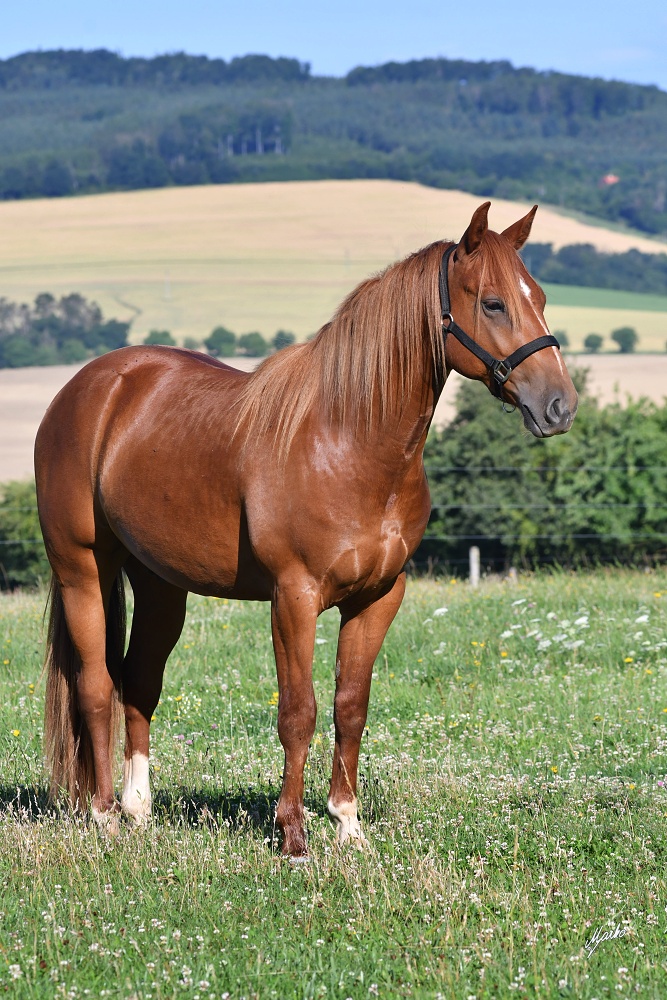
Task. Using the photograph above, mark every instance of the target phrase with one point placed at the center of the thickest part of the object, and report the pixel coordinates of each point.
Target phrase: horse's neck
(403, 430)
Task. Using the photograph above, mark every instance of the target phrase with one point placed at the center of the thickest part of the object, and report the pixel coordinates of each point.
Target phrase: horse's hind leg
(82, 715)
(362, 633)
(159, 613)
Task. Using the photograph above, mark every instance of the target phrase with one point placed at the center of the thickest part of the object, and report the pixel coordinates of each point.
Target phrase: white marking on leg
(136, 798)
(347, 822)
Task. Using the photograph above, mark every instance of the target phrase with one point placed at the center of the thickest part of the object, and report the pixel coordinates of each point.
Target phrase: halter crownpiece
(499, 369)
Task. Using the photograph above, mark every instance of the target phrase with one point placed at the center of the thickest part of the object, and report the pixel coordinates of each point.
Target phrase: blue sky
(613, 39)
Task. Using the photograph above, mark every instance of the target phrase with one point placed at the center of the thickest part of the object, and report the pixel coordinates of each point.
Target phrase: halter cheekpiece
(499, 369)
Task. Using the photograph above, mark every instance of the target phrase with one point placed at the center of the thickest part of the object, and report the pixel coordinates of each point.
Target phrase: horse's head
(487, 291)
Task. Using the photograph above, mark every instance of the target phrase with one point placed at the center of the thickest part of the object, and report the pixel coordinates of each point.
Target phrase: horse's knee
(296, 720)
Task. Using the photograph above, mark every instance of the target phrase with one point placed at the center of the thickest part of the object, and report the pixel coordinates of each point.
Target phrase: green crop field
(603, 298)
(512, 786)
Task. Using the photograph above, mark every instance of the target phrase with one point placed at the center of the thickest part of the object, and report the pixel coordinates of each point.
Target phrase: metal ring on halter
(505, 409)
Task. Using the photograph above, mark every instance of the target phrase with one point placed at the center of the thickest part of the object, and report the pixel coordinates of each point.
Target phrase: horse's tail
(67, 742)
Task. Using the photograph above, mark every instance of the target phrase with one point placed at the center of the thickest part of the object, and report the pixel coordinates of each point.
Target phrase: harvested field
(262, 256)
(25, 394)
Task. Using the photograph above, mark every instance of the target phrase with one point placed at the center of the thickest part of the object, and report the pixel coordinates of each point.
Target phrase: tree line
(72, 329)
(59, 67)
(583, 264)
(56, 331)
(100, 122)
(224, 343)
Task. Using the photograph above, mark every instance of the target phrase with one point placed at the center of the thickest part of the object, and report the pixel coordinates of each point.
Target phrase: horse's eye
(493, 305)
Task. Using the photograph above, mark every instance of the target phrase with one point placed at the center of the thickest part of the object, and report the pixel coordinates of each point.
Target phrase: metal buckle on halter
(501, 371)
(449, 320)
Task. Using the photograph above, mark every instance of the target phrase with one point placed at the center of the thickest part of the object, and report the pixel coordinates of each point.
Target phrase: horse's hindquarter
(147, 435)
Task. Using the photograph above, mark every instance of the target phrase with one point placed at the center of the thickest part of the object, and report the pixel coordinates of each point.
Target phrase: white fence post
(474, 566)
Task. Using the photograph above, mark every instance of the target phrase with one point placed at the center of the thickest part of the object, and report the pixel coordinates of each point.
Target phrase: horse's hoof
(348, 827)
(299, 859)
(138, 813)
(107, 821)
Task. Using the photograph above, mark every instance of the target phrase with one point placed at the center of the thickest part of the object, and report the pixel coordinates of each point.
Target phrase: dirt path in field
(25, 394)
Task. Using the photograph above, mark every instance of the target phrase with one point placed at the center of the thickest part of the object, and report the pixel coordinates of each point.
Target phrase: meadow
(513, 791)
(274, 256)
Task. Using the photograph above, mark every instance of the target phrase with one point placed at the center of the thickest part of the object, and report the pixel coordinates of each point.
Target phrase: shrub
(162, 337)
(593, 343)
(192, 344)
(23, 560)
(283, 339)
(221, 343)
(592, 495)
(253, 345)
(626, 337)
(73, 350)
(562, 338)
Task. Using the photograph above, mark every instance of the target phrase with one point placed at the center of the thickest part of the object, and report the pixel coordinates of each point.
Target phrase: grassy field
(512, 783)
(265, 256)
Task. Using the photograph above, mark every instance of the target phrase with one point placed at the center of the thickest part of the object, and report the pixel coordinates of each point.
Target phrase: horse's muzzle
(555, 418)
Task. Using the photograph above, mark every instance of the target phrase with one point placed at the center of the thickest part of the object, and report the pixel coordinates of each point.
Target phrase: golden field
(263, 256)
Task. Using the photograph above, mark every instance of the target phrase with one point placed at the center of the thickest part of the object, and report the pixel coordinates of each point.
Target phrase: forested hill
(91, 121)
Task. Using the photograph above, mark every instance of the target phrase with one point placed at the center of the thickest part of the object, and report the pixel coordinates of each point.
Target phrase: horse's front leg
(362, 633)
(294, 611)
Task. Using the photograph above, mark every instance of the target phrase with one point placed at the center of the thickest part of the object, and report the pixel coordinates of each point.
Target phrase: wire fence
(473, 537)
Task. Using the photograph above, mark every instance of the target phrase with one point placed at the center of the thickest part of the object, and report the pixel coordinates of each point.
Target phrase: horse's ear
(474, 234)
(519, 232)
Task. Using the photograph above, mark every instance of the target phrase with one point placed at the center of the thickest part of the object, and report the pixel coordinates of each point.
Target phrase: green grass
(603, 298)
(511, 786)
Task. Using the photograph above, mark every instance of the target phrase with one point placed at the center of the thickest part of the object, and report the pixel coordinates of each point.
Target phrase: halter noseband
(499, 370)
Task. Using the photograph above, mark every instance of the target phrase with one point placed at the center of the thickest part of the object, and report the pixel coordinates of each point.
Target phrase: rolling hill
(77, 122)
(271, 256)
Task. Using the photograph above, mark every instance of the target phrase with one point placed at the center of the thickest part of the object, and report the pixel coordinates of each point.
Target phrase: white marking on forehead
(538, 316)
(524, 287)
(558, 359)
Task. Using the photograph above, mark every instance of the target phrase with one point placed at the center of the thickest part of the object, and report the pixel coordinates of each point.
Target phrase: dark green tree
(56, 180)
(162, 337)
(221, 343)
(253, 345)
(283, 339)
(72, 351)
(593, 343)
(626, 337)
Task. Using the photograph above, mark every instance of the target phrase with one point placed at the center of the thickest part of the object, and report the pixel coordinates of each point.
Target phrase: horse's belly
(209, 556)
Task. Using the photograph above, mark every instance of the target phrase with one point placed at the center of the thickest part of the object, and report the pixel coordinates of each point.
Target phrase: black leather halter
(499, 370)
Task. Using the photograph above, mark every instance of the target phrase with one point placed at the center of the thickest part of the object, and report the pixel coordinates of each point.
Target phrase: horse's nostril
(555, 410)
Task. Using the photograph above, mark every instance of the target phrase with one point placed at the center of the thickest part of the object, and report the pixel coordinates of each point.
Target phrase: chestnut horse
(301, 484)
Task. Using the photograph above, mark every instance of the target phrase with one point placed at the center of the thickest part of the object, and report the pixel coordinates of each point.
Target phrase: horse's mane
(362, 364)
